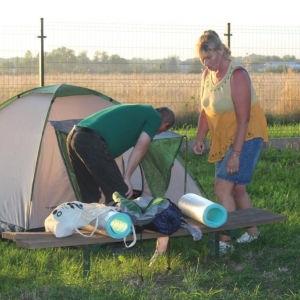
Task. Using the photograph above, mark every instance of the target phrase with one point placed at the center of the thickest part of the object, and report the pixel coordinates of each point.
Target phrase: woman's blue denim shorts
(248, 160)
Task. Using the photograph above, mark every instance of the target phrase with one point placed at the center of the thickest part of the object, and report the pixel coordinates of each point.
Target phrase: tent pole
(185, 162)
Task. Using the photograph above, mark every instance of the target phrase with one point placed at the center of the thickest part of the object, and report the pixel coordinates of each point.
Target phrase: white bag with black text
(69, 217)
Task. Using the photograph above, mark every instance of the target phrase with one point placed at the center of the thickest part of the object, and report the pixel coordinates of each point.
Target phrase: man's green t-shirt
(121, 125)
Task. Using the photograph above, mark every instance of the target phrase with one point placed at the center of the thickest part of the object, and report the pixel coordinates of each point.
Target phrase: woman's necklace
(217, 77)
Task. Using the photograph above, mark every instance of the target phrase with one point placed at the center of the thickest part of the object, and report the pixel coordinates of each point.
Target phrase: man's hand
(130, 188)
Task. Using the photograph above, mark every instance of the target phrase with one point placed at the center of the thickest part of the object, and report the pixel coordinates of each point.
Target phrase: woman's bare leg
(224, 193)
(243, 201)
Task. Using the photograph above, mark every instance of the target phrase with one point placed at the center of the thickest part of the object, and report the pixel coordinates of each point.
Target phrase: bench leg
(86, 266)
(232, 233)
(86, 257)
(214, 238)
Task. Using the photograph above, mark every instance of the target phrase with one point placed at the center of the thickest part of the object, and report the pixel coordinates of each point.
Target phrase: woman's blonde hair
(210, 41)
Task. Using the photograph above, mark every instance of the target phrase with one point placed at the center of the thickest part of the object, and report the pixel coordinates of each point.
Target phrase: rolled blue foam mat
(203, 210)
(115, 224)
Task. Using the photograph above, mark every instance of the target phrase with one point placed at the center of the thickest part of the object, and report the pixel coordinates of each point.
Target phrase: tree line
(64, 60)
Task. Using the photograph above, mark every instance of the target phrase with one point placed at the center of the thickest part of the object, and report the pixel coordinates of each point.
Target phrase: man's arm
(135, 158)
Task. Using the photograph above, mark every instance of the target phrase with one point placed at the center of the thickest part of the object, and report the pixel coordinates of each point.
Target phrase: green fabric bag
(157, 214)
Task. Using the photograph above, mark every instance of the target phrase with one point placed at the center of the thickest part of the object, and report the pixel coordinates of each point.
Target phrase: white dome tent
(35, 173)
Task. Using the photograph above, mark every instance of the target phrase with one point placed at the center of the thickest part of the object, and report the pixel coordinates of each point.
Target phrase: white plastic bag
(66, 218)
(69, 217)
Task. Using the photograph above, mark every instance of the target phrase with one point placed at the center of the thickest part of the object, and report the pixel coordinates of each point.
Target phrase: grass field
(265, 269)
(279, 94)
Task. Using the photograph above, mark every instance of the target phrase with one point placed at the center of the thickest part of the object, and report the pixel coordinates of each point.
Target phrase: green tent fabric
(62, 139)
(159, 160)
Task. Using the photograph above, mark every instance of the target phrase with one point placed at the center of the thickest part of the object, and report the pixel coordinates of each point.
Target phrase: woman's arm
(202, 128)
(241, 98)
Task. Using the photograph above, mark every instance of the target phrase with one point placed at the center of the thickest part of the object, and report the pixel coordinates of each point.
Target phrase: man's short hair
(167, 115)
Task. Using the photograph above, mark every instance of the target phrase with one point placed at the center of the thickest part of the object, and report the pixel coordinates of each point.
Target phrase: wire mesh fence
(152, 64)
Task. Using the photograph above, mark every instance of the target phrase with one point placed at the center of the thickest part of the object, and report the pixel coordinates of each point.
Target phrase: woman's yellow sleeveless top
(217, 103)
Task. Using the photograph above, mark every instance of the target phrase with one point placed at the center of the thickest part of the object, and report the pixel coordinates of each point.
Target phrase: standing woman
(232, 114)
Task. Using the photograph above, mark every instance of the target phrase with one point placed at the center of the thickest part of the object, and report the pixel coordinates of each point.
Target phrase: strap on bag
(92, 233)
(134, 238)
(95, 227)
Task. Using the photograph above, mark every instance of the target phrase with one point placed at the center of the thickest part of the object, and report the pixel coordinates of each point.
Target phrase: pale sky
(199, 13)
(181, 12)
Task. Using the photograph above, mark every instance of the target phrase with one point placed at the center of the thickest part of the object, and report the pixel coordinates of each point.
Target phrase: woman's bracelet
(233, 153)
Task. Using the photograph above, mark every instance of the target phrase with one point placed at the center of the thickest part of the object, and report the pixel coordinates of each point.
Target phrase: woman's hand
(198, 147)
(233, 165)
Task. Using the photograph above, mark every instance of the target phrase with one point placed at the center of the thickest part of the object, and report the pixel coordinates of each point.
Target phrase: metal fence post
(41, 60)
(228, 34)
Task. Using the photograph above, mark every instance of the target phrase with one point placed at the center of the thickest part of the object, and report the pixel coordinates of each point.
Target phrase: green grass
(265, 269)
(274, 131)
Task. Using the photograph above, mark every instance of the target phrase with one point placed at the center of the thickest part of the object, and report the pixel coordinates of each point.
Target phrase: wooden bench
(237, 219)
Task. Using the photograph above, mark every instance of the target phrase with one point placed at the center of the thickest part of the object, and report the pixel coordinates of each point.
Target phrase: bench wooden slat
(28, 235)
(237, 219)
